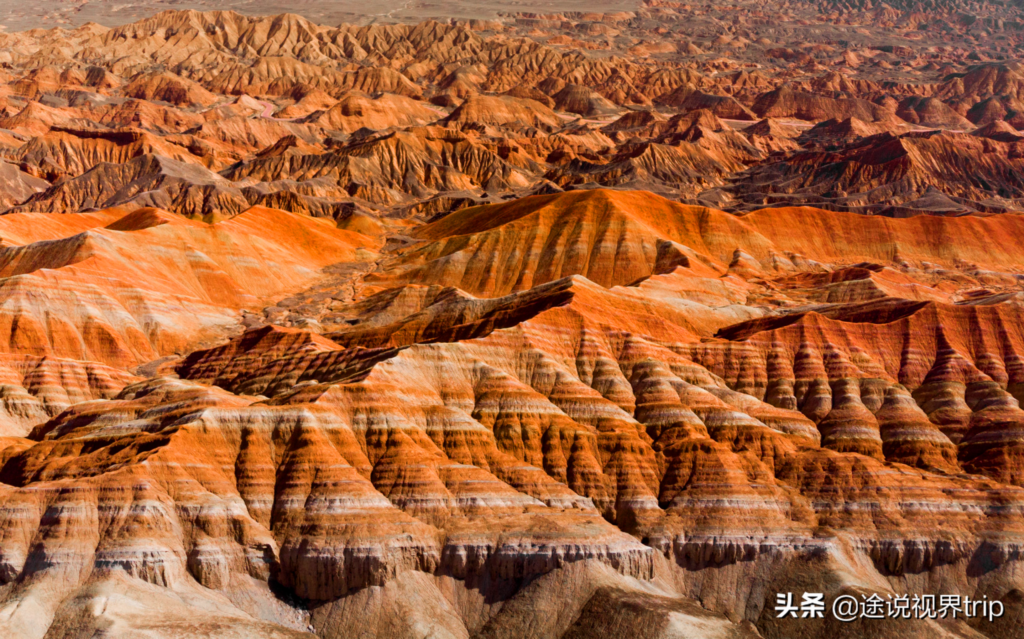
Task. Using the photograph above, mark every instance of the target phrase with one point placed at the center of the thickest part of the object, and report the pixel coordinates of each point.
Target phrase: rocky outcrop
(352, 331)
(151, 283)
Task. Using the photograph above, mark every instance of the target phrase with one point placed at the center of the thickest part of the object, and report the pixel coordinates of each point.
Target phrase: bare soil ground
(18, 16)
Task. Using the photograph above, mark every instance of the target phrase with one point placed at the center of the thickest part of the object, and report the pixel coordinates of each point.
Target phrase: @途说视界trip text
(812, 605)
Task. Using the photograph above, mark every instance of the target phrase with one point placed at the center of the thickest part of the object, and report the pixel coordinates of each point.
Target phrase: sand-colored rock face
(381, 330)
(644, 411)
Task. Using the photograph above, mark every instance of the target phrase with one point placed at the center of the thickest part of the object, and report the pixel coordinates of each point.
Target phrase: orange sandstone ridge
(207, 114)
(549, 325)
(272, 426)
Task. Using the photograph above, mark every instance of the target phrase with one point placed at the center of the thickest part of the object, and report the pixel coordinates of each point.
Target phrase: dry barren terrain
(526, 321)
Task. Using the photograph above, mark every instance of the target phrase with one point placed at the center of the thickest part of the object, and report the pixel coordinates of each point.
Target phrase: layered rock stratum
(544, 326)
